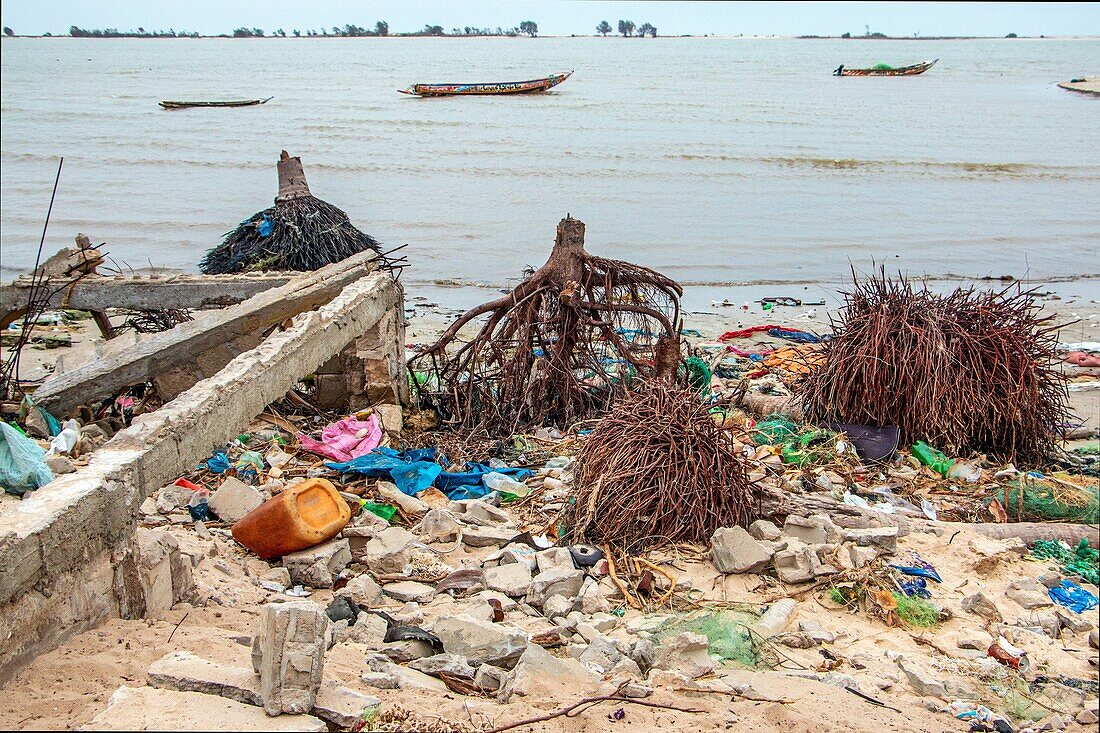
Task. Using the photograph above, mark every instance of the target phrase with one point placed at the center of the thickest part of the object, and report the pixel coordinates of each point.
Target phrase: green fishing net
(1080, 561)
(1047, 501)
(883, 67)
(698, 374)
(727, 634)
(775, 429)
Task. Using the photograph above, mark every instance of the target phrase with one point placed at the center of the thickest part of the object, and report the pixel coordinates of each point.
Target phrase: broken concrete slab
(481, 642)
(559, 582)
(388, 551)
(341, 706)
(980, 605)
(147, 708)
(1029, 594)
(687, 654)
(763, 529)
(185, 672)
(883, 538)
(538, 672)
(317, 567)
(364, 591)
(451, 664)
(200, 348)
(289, 652)
(409, 590)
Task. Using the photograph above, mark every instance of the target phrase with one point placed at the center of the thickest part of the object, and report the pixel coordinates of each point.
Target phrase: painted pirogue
(508, 87)
(883, 70)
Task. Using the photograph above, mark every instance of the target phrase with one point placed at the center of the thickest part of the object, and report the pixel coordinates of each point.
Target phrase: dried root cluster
(657, 470)
(969, 371)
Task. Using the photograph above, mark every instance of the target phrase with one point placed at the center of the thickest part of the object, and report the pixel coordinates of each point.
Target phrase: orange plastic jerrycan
(302, 516)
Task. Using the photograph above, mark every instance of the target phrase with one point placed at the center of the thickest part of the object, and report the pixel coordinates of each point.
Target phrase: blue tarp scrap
(415, 470)
(1073, 596)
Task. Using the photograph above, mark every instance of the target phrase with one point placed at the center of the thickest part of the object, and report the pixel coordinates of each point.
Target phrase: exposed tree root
(559, 347)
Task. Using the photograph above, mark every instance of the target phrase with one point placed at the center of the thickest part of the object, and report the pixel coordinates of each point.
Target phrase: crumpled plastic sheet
(1073, 596)
(22, 462)
(345, 439)
(413, 471)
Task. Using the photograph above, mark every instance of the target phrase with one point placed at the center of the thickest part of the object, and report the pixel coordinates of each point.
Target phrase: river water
(717, 161)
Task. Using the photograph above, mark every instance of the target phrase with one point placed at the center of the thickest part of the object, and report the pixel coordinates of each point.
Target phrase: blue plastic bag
(266, 226)
(218, 462)
(1072, 596)
(412, 478)
(22, 462)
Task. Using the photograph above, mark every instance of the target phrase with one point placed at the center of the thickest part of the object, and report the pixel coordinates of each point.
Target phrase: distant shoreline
(525, 38)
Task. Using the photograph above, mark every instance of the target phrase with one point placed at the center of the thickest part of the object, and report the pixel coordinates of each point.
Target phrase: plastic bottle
(499, 482)
(934, 459)
(301, 516)
(775, 618)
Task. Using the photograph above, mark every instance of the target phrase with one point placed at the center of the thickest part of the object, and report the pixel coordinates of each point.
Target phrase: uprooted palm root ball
(970, 371)
(300, 232)
(657, 470)
(558, 348)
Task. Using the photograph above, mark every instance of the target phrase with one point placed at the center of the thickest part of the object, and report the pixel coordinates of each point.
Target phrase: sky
(561, 17)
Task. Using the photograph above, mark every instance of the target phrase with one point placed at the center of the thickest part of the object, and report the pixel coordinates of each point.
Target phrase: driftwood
(774, 502)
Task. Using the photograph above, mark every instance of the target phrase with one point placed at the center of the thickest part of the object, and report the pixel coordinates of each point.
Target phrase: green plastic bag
(22, 462)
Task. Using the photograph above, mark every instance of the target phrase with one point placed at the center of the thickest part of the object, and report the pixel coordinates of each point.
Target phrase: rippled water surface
(715, 160)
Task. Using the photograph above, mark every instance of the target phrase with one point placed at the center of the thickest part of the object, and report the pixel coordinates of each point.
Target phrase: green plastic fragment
(386, 511)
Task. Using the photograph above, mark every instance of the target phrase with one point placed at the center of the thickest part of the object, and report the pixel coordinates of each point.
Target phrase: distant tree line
(78, 32)
(627, 29)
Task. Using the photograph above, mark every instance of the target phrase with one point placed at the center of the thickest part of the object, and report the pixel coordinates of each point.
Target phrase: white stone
(687, 654)
(538, 673)
(762, 529)
(554, 558)
(388, 551)
(341, 706)
(364, 591)
(409, 590)
(451, 664)
(185, 672)
(555, 583)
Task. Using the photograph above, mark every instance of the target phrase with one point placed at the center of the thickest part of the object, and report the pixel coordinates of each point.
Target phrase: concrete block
(290, 648)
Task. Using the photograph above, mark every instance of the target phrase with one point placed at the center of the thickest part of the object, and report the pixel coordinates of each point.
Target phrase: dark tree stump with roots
(558, 348)
(305, 232)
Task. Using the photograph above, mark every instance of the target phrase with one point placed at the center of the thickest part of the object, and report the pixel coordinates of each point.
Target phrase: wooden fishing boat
(508, 87)
(899, 71)
(169, 104)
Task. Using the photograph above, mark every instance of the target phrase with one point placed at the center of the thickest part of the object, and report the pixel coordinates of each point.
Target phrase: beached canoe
(169, 104)
(887, 71)
(508, 87)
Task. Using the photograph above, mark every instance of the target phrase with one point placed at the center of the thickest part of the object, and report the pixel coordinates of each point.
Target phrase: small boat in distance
(169, 104)
(507, 87)
(884, 70)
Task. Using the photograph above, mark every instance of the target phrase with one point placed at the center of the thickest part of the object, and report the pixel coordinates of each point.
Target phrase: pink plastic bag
(345, 439)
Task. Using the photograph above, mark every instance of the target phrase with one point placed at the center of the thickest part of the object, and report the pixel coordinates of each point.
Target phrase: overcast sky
(561, 17)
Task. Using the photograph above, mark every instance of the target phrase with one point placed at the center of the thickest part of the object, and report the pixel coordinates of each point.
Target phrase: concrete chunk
(513, 579)
(317, 567)
(341, 706)
(290, 648)
(481, 642)
(733, 550)
(234, 499)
